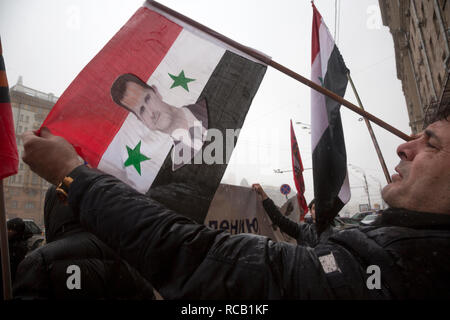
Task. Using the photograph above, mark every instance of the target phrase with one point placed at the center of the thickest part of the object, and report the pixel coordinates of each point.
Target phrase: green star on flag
(180, 80)
(135, 157)
(321, 81)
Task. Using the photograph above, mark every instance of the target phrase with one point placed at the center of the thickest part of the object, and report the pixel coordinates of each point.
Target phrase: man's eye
(430, 145)
(141, 111)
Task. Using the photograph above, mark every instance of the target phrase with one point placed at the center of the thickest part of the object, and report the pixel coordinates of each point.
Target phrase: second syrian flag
(331, 186)
(155, 108)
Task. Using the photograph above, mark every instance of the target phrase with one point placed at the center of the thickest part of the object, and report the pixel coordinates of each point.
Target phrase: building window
(35, 179)
(14, 204)
(32, 192)
(29, 205)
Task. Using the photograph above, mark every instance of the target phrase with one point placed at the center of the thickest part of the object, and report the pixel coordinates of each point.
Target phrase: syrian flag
(160, 107)
(9, 158)
(331, 186)
(297, 169)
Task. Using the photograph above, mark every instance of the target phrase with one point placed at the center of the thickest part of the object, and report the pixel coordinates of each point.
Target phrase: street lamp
(305, 126)
(360, 170)
(283, 171)
(383, 205)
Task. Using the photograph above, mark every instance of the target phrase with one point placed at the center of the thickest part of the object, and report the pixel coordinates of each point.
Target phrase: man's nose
(407, 150)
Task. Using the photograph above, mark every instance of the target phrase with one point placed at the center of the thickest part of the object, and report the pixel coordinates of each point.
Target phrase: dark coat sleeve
(103, 275)
(183, 259)
(304, 233)
(17, 252)
(286, 225)
(32, 280)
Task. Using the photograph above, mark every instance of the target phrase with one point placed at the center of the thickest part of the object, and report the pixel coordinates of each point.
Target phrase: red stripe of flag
(9, 158)
(297, 169)
(315, 43)
(129, 51)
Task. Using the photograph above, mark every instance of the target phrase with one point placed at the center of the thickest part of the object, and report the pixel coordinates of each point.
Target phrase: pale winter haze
(48, 42)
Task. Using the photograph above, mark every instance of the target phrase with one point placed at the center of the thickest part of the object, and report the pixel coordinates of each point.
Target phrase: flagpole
(267, 60)
(372, 134)
(6, 267)
(341, 100)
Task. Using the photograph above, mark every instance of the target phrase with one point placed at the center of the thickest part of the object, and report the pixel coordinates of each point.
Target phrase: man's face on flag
(146, 103)
(422, 182)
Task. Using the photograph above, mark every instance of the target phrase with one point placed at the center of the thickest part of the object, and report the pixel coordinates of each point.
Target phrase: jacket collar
(413, 219)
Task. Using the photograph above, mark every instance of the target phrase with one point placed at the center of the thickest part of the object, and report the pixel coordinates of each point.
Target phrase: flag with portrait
(160, 107)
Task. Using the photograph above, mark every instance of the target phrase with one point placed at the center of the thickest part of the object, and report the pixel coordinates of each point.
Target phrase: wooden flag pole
(267, 60)
(372, 134)
(6, 267)
(339, 99)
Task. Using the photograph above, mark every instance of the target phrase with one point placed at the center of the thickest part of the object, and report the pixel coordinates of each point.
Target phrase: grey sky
(49, 41)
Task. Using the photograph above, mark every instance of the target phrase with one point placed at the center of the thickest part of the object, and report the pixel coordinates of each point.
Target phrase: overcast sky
(48, 42)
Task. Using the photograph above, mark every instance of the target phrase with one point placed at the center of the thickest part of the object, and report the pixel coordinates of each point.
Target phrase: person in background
(17, 240)
(310, 217)
(304, 233)
(44, 273)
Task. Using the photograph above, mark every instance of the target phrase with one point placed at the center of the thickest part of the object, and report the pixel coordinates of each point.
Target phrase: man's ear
(157, 92)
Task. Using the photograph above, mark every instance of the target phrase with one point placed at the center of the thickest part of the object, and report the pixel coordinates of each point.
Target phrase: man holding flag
(304, 233)
(184, 259)
(398, 257)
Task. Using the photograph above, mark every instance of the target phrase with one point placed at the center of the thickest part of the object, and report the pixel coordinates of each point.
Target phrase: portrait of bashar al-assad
(187, 126)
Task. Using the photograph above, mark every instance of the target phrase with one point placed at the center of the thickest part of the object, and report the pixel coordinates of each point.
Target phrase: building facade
(25, 191)
(421, 38)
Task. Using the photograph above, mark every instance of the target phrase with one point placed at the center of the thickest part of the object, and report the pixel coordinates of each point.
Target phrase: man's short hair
(119, 87)
(311, 203)
(16, 225)
(443, 113)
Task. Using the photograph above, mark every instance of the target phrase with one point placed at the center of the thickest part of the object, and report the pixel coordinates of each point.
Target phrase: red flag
(297, 169)
(9, 157)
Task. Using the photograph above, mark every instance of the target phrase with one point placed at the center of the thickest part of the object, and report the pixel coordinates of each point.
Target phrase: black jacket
(183, 259)
(304, 233)
(103, 275)
(17, 251)
(43, 274)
